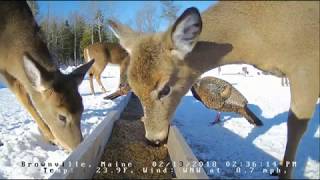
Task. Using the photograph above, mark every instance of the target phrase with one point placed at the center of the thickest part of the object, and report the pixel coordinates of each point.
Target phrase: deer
(278, 37)
(104, 53)
(29, 71)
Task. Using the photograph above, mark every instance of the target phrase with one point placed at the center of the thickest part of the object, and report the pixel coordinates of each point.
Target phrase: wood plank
(91, 149)
(180, 151)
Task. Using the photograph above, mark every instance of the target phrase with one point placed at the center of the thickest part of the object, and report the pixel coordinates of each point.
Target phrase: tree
(146, 18)
(99, 23)
(66, 38)
(67, 43)
(169, 11)
(111, 8)
(91, 10)
(86, 38)
(54, 37)
(78, 27)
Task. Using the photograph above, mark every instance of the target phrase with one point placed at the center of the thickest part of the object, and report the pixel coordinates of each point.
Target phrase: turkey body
(221, 96)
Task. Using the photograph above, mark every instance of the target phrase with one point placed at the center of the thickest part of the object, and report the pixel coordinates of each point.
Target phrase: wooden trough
(86, 157)
(91, 149)
(180, 151)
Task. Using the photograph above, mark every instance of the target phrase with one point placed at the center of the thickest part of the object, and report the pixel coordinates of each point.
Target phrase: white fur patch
(121, 39)
(33, 74)
(180, 55)
(185, 34)
(114, 32)
(123, 44)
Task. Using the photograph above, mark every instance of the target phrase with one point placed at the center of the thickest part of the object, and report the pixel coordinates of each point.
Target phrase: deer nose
(155, 143)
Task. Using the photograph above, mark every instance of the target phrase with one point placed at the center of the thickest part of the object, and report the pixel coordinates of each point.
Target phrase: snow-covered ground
(235, 143)
(20, 140)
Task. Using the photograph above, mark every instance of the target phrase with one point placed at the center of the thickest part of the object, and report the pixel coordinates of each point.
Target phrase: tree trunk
(99, 31)
(91, 34)
(56, 39)
(75, 43)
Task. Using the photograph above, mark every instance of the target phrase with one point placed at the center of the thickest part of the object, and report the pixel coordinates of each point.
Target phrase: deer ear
(39, 77)
(185, 32)
(124, 33)
(79, 73)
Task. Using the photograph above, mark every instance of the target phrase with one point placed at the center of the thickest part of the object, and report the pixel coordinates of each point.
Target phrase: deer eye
(62, 118)
(164, 92)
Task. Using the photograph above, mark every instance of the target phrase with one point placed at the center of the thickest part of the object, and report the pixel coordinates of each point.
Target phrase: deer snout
(70, 143)
(156, 139)
(155, 143)
(74, 145)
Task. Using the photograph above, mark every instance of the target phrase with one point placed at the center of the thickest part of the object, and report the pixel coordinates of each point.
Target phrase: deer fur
(278, 37)
(52, 98)
(105, 53)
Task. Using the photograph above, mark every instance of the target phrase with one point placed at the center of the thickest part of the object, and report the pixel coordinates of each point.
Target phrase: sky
(123, 10)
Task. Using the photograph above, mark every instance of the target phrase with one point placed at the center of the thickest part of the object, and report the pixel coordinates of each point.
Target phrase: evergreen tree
(67, 43)
(66, 38)
(86, 38)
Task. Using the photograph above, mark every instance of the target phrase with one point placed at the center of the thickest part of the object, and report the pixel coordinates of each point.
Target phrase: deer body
(105, 53)
(278, 37)
(51, 97)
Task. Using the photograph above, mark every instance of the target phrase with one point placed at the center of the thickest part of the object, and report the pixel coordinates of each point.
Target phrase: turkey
(221, 96)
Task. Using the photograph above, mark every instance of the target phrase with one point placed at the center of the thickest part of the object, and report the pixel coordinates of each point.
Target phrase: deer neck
(20, 37)
(224, 40)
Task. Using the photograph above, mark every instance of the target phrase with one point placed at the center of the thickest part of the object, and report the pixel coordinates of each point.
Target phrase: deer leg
(91, 82)
(17, 88)
(303, 101)
(123, 71)
(216, 119)
(98, 78)
(296, 128)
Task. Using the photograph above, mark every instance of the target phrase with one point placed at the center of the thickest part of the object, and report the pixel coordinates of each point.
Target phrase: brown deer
(279, 37)
(105, 53)
(51, 97)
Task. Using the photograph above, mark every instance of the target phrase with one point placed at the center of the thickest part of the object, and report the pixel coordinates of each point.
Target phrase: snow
(20, 136)
(237, 142)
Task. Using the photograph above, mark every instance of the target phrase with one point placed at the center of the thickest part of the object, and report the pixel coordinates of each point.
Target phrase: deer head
(56, 98)
(158, 73)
